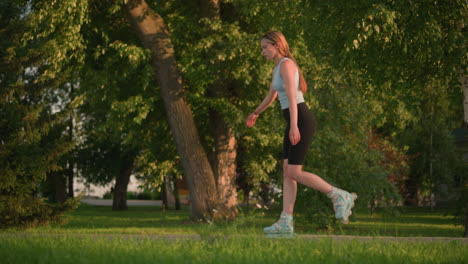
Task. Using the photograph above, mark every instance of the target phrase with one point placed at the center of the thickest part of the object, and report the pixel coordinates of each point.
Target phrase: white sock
(332, 192)
(285, 215)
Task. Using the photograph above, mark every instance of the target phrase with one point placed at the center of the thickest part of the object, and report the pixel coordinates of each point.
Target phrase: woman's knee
(293, 172)
(286, 174)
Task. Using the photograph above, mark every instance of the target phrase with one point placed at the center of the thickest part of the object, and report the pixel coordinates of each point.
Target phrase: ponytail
(302, 82)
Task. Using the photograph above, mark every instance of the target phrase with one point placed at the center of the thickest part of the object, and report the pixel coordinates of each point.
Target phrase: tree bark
(225, 165)
(60, 188)
(70, 178)
(57, 187)
(168, 198)
(242, 179)
(119, 202)
(165, 204)
(155, 36)
(176, 193)
(71, 163)
(224, 162)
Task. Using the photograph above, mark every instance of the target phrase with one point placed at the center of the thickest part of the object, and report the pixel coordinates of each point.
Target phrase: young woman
(289, 86)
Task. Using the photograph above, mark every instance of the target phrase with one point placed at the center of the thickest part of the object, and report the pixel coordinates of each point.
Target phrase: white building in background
(91, 190)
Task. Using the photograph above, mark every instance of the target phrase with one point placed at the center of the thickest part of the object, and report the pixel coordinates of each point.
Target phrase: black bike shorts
(306, 123)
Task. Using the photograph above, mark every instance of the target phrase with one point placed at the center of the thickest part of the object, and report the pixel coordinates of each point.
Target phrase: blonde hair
(277, 38)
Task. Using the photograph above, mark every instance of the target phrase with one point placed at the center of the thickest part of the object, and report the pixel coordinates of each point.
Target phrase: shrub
(32, 211)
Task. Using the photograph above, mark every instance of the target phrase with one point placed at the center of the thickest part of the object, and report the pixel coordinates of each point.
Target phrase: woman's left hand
(294, 135)
(251, 120)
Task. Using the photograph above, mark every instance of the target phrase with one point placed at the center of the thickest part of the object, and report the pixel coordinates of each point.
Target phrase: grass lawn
(148, 235)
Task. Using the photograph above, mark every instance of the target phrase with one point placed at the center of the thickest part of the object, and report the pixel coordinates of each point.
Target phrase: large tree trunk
(224, 161)
(119, 202)
(225, 165)
(200, 178)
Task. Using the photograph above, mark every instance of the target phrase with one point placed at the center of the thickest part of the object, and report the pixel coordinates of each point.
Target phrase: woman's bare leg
(342, 201)
(289, 190)
(311, 180)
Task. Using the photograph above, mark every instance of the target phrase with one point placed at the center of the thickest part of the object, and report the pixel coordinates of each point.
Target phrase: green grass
(253, 249)
(148, 235)
(412, 222)
(151, 220)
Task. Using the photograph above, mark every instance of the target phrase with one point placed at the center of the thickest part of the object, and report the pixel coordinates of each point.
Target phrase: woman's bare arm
(288, 73)
(267, 101)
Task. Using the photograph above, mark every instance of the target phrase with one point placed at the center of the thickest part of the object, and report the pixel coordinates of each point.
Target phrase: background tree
(154, 35)
(122, 117)
(30, 73)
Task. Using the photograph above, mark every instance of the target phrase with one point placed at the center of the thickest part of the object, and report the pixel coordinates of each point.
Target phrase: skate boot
(343, 202)
(283, 228)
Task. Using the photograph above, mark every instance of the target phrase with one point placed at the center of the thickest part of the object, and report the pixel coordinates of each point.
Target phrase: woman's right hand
(251, 119)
